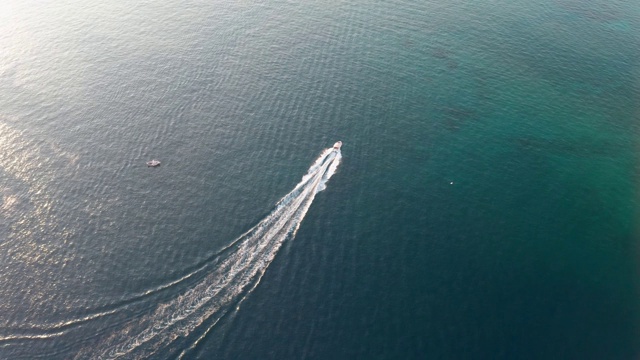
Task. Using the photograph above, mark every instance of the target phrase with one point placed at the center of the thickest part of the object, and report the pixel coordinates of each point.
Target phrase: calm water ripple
(487, 204)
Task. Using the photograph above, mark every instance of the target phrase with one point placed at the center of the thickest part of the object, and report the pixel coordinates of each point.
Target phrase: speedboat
(337, 145)
(153, 163)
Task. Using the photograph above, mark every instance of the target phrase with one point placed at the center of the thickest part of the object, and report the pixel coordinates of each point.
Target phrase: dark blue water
(485, 205)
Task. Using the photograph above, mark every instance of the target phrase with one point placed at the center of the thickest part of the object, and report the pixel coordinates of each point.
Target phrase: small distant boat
(153, 163)
(337, 145)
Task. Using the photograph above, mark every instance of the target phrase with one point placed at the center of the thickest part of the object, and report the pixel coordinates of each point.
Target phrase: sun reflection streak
(35, 242)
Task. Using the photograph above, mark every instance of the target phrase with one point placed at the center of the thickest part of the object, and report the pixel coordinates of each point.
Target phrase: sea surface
(484, 204)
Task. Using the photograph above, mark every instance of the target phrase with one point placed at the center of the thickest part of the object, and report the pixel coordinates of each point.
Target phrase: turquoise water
(485, 205)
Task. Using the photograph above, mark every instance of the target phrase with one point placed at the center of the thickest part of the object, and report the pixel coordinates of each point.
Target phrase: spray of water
(239, 269)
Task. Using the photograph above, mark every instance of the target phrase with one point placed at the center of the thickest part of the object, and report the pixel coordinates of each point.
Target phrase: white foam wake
(238, 271)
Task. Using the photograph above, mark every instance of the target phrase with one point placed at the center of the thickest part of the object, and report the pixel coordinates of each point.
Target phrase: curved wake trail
(238, 272)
